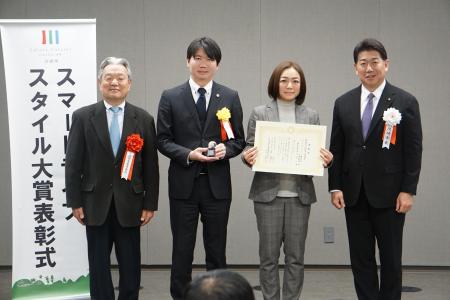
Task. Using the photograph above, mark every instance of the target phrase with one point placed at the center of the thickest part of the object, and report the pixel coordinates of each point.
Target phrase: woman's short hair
(273, 88)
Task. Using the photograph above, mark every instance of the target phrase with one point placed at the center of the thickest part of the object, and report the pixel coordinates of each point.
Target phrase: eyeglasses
(285, 81)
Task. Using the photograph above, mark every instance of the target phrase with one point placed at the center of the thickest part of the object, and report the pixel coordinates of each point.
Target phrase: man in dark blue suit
(111, 202)
(199, 180)
(376, 140)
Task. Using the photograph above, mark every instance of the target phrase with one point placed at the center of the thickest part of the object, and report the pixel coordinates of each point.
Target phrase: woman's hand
(250, 156)
(326, 156)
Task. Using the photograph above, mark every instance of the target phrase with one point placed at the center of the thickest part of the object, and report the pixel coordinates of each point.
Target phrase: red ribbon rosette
(134, 145)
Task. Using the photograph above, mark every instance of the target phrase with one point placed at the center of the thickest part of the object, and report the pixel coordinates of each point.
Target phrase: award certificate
(289, 148)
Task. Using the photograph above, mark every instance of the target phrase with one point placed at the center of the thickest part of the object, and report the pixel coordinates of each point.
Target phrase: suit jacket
(180, 131)
(384, 172)
(265, 186)
(93, 173)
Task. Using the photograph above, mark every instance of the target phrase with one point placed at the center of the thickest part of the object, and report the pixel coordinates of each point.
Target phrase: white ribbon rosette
(392, 118)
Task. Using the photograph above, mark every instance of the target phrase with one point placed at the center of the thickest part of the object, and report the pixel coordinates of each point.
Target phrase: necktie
(114, 130)
(201, 105)
(367, 115)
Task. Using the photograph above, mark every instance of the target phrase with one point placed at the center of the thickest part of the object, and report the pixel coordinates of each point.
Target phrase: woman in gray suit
(282, 202)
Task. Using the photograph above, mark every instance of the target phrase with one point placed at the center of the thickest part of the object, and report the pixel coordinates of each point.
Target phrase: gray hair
(114, 61)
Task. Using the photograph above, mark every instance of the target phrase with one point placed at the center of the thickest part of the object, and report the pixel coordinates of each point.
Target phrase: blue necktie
(367, 115)
(114, 130)
(201, 106)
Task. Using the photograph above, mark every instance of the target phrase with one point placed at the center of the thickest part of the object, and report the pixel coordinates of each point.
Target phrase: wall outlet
(328, 235)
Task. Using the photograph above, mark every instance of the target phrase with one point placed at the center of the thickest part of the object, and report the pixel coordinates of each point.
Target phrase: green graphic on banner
(45, 287)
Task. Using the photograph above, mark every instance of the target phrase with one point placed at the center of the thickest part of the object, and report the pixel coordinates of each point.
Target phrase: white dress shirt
(195, 94)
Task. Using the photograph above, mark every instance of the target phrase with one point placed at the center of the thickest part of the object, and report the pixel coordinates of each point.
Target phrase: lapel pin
(389, 99)
(217, 95)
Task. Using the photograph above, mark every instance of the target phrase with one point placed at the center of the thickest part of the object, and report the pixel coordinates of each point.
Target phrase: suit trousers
(184, 214)
(366, 226)
(282, 221)
(126, 240)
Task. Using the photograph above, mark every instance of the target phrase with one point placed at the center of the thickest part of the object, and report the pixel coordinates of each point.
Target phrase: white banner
(50, 71)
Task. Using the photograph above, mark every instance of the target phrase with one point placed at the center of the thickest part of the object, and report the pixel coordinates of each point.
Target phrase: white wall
(254, 36)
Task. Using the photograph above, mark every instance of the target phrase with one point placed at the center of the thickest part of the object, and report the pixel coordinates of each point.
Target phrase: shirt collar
(377, 93)
(194, 86)
(108, 106)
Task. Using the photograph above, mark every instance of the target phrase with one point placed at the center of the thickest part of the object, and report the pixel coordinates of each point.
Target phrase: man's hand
(78, 214)
(197, 154)
(337, 199)
(220, 151)
(146, 216)
(250, 156)
(404, 202)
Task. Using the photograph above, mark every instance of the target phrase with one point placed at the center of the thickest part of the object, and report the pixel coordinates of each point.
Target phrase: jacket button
(110, 185)
(364, 147)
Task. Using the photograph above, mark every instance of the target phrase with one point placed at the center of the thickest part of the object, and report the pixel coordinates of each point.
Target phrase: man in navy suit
(199, 180)
(376, 140)
(112, 208)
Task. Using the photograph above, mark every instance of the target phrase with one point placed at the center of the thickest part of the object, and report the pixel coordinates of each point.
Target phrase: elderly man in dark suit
(376, 140)
(190, 117)
(112, 179)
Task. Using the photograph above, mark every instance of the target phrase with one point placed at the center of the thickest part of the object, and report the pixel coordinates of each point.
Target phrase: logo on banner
(47, 44)
(50, 37)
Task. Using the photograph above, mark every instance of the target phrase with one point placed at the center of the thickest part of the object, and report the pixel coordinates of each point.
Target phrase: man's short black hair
(210, 47)
(219, 285)
(368, 45)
